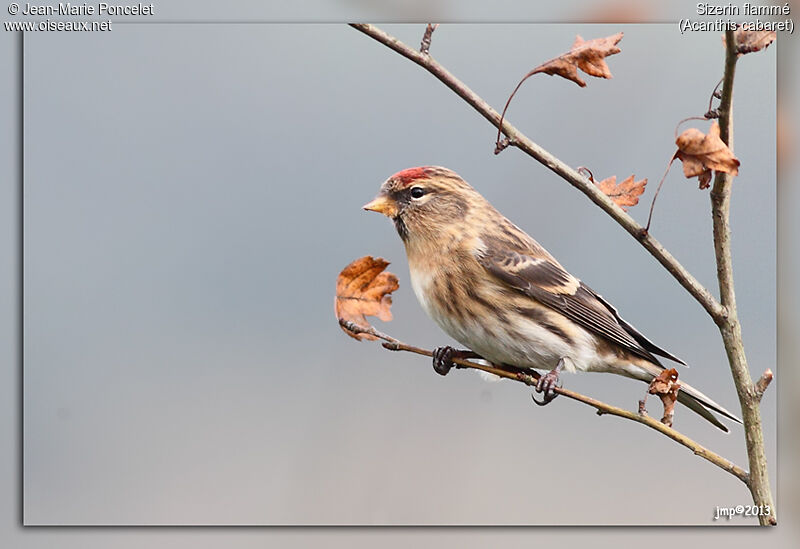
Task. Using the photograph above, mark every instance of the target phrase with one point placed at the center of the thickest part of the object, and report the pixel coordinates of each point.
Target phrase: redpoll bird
(493, 288)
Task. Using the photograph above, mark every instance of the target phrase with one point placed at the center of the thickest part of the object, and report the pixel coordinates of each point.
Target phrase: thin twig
(519, 140)
(713, 113)
(425, 46)
(763, 382)
(678, 125)
(658, 190)
(530, 377)
(499, 144)
(583, 170)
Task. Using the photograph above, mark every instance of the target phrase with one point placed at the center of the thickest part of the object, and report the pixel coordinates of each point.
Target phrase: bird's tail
(688, 396)
(701, 404)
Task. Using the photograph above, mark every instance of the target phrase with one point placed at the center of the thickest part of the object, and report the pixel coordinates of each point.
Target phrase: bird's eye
(417, 192)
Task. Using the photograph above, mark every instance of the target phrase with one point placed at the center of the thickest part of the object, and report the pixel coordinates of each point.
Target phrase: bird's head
(425, 202)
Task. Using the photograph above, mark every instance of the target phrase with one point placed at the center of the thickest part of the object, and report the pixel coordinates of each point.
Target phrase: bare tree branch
(729, 326)
(519, 140)
(530, 377)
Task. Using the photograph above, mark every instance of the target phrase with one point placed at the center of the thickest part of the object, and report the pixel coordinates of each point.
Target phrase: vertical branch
(729, 326)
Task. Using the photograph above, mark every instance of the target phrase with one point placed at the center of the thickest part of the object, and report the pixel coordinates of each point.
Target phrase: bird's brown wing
(544, 280)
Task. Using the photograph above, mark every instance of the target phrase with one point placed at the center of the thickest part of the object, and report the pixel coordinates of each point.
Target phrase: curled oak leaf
(588, 56)
(749, 41)
(664, 382)
(363, 288)
(624, 194)
(701, 153)
(666, 386)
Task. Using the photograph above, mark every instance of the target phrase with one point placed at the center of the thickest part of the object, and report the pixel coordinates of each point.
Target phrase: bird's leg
(547, 384)
(443, 358)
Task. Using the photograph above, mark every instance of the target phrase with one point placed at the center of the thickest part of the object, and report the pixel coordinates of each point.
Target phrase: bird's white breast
(518, 341)
(421, 280)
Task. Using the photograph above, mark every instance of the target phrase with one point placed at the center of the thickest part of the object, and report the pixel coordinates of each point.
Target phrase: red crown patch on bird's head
(408, 176)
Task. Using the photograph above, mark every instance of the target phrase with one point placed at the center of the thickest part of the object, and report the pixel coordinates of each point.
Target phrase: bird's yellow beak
(382, 204)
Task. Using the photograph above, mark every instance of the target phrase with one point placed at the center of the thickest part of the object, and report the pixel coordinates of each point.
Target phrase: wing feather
(544, 280)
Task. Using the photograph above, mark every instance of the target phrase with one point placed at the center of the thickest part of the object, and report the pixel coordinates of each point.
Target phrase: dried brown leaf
(701, 153)
(664, 382)
(749, 41)
(588, 56)
(666, 386)
(624, 194)
(363, 289)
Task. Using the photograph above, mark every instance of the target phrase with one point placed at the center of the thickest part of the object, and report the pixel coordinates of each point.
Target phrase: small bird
(496, 290)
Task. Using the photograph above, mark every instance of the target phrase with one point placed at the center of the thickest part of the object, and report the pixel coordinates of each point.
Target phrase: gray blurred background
(526, 113)
(191, 192)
